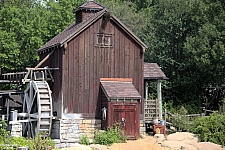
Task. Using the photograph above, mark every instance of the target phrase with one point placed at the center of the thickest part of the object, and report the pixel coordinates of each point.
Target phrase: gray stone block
(142, 129)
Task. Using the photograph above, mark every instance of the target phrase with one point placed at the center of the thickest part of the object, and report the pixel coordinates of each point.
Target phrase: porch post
(146, 90)
(159, 96)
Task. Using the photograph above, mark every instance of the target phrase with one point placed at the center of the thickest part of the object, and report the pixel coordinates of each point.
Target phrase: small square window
(103, 39)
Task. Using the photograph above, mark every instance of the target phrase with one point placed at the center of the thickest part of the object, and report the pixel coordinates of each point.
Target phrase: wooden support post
(165, 116)
(159, 95)
(7, 110)
(146, 90)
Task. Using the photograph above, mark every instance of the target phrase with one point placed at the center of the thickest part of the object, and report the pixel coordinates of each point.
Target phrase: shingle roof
(71, 31)
(120, 90)
(91, 5)
(76, 28)
(153, 71)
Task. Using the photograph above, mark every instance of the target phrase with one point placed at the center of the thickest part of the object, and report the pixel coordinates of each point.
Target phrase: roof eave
(129, 32)
(82, 6)
(82, 28)
(156, 78)
(124, 98)
(47, 48)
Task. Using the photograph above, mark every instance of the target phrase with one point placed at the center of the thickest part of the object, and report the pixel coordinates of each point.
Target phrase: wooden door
(126, 115)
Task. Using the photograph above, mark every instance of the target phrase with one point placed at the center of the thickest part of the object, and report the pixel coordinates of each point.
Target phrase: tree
(127, 12)
(20, 30)
(187, 40)
(27, 25)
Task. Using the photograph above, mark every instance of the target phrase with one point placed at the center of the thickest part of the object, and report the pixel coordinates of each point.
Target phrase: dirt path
(176, 141)
(148, 143)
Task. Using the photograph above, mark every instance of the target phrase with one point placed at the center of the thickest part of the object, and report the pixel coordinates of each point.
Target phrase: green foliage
(8, 142)
(84, 140)
(186, 38)
(210, 129)
(111, 135)
(180, 120)
(19, 141)
(4, 134)
(27, 25)
(127, 12)
(41, 143)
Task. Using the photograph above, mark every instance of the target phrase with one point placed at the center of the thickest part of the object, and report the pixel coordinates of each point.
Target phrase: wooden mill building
(101, 70)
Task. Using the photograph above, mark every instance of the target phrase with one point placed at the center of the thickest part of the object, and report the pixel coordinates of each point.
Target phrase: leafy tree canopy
(186, 38)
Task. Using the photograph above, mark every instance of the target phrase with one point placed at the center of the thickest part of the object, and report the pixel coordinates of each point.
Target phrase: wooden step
(44, 96)
(44, 130)
(45, 102)
(44, 90)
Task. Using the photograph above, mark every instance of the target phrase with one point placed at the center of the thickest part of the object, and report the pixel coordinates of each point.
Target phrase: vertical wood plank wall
(55, 61)
(83, 64)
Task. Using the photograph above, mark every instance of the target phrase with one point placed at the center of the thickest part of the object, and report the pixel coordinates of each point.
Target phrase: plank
(91, 70)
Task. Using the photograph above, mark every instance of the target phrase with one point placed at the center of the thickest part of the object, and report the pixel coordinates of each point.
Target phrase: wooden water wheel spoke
(38, 105)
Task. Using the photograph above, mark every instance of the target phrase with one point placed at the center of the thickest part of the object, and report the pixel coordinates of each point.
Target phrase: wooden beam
(43, 60)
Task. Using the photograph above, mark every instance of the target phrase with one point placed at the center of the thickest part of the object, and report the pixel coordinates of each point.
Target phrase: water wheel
(38, 108)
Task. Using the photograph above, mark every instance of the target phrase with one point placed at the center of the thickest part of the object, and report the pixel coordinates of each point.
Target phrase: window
(103, 40)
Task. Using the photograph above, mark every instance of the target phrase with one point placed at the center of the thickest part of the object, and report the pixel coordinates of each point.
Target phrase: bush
(41, 143)
(19, 141)
(84, 140)
(111, 135)
(8, 142)
(180, 120)
(210, 129)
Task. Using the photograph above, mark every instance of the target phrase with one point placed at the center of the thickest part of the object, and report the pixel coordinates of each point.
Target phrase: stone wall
(16, 129)
(142, 127)
(88, 126)
(68, 130)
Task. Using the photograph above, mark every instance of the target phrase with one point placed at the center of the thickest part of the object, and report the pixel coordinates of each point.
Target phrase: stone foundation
(142, 128)
(68, 130)
(16, 129)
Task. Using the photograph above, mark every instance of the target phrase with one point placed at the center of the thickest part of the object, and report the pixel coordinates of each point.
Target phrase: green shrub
(111, 135)
(4, 134)
(210, 129)
(180, 120)
(41, 143)
(7, 142)
(84, 140)
(19, 141)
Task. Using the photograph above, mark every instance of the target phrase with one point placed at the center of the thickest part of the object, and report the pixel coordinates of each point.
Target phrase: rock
(77, 147)
(23, 148)
(159, 138)
(97, 147)
(180, 136)
(177, 145)
(207, 146)
(142, 136)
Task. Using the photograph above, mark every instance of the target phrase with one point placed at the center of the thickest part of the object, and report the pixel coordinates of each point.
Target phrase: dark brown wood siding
(84, 62)
(55, 61)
